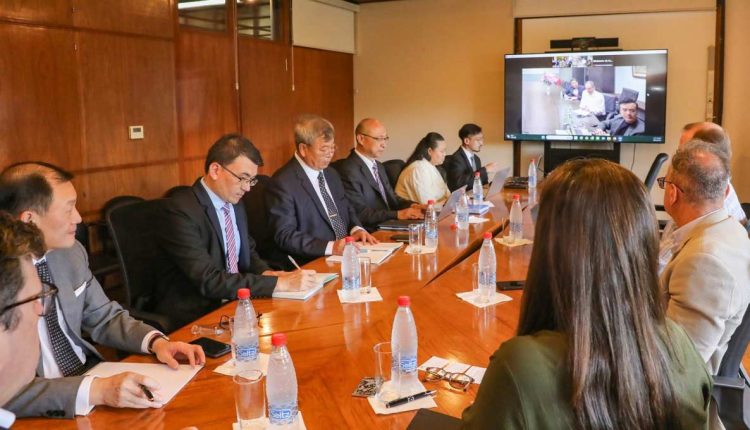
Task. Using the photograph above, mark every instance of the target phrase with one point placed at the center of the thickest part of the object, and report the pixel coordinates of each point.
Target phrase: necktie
(471, 162)
(66, 358)
(231, 244)
(338, 225)
(376, 174)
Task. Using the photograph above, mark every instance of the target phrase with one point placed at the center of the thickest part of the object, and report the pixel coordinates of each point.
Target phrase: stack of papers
(471, 297)
(372, 296)
(442, 363)
(376, 253)
(171, 380)
(322, 278)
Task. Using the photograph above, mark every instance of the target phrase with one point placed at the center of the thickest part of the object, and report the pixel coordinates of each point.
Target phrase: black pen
(147, 392)
(407, 399)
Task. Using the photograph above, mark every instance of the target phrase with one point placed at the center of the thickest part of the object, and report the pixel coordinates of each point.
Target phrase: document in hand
(171, 380)
(322, 278)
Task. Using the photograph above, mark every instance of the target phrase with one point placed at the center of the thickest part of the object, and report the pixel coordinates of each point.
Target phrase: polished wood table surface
(331, 344)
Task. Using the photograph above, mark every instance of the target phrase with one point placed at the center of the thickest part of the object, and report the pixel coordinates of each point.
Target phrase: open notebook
(323, 278)
(377, 253)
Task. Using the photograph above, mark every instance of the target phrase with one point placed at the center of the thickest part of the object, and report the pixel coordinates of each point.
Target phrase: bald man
(715, 135)
(365, 182)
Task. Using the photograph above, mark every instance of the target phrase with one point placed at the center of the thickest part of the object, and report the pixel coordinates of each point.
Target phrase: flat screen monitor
(599, 96)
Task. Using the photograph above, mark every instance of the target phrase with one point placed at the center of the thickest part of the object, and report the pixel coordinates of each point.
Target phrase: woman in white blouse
(420, 180)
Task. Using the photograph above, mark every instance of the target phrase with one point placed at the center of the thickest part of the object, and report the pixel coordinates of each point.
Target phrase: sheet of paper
(322, 279)
(423, 403)
(423, 250)
(376, 256)
(477, 220)
(434, 361)
(475, 372)
(383, 246)
(171, 380)
(372, 296)
(470, 297)
(504, 241)
(228, 367)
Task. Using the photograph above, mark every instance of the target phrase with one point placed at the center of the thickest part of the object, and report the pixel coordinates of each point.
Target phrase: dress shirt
(472, 160)
(420, 181)
(218, 206)
(593, 103)
(7, 418)
(312, 175)
(49, 364)
(370, 163)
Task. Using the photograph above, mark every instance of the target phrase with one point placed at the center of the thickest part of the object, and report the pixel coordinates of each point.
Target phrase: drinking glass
(250, 399)
(364, 275)
(475, 279)
(415, 237)
(387, 388)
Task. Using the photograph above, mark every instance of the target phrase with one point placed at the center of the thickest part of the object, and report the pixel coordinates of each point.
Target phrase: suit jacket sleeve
(354, 190)
(181, 241)
(47, 398)
(459, 175)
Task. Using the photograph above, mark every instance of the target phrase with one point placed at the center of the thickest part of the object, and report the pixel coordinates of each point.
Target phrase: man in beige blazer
(708, 278)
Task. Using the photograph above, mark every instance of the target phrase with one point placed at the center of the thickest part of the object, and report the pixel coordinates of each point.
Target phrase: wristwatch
(153, 339)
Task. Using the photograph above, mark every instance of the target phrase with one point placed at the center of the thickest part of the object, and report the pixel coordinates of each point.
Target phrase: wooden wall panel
(41, 11)
(39, 104)
(206, 97)
(324, 85)
(191, 170)
(127, 81)
(148, 17)
(266, 100)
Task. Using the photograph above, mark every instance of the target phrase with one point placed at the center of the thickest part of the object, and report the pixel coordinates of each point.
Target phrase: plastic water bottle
(532, 173)
(350, 270)
(487, 269)
(462, 213)
(281, 386)
(477, 190)
(516, 219)
(245, 333)
(404, 346)
(430, 225)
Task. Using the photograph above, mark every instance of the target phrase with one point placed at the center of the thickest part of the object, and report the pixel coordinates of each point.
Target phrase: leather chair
(176, 189)
(653, 171)
(393, 169)
(259, 227)
(730, 390)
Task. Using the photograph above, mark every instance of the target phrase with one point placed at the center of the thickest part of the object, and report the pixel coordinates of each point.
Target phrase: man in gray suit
(43, 194)
(708, 278)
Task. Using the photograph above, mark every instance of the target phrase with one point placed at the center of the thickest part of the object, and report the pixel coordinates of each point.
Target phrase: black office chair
(393, 169)
(337, 165)
(176, 189)
(653, 171)
(259, 227)
(730, 390)
(610, 107)
(133, 231)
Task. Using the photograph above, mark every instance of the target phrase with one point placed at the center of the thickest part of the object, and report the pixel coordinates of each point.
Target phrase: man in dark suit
(204, 235)
(465, 162)
(572, 90)
(43, 194)
(626, 123)
(310, 214)
(366, 183)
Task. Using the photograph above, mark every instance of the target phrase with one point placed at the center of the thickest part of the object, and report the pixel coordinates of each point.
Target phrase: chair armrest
(729, 382)
(157, 321)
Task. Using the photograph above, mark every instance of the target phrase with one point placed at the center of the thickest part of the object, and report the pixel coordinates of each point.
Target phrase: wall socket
(135, 132)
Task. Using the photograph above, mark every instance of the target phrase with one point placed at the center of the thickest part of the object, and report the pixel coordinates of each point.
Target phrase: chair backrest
(393, 169)
(730, 363)
(654, 170)
(133, 229)
(115, 202)
(338, 164)
(174, 190)
(259, 226)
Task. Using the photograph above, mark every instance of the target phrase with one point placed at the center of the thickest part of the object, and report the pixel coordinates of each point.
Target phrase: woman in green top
(594, 350)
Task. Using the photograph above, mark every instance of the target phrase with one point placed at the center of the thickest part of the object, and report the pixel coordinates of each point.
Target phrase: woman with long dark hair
(420, 180)
(594, 349)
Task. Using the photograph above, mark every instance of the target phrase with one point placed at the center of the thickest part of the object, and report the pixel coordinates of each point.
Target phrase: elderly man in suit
(366, 183)
(23, 300)
(44, 195)
(208, 252)
(310, 214)
(708, 278)
(465, 162)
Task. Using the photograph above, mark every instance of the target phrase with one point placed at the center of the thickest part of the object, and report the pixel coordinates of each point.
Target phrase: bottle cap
(487, 235)
(516, 197)
(278, 339)
(430, 202)
(404, 301)
(454, 226)
(243, 293)
(476, 174)
(349, 239)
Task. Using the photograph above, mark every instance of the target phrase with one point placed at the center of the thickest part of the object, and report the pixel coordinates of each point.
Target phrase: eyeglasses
(47, 298)
(379, 139)
(225, 322)
(249, 182)
(457, 380)
(663, 180)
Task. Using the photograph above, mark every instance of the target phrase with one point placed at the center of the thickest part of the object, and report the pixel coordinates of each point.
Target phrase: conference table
(331, 344)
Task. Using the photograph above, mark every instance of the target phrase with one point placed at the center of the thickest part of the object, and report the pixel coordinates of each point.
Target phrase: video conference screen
(600, 96)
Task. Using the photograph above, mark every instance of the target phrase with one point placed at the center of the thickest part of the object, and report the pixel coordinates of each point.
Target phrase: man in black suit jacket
(209, 254)
(310, 214)
(463, 164)
(366, 183)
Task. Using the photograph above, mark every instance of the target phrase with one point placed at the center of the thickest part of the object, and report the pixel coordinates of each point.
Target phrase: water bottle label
(408, 364)
(432, 233)
(486, 278)
(351, 283)
(463, 217)
(248, 352)
(285, 414)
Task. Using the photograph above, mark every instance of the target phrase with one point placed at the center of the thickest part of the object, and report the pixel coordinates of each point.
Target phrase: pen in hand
(294, 262)
(147, 392)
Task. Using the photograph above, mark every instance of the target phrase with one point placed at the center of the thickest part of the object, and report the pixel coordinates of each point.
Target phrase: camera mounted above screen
(584, 43)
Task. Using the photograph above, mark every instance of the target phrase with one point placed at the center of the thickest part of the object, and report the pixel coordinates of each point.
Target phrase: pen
(407, 399)
(148, 393)
(294, 262)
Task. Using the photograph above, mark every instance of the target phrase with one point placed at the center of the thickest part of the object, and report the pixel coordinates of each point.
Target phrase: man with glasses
(310, 214)
(43, 195)
(204, 235)
(465, 162)
(22, 301)
(366, 183)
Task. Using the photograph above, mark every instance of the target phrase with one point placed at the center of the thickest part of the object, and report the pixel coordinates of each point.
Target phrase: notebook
(376, 253)
(171, 381)
(322, 278)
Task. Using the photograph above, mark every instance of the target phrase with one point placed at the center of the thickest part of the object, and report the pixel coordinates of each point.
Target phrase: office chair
(176, 189)
(730, 390)
(133, 231)
(653, 171)
(259, 227)
(393, 169)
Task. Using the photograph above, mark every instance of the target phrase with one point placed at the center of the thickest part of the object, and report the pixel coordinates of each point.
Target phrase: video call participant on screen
(208, 252)
(594, 348)
(592, 100)
(43, 194)
(310, 214)
(573, 90)
(366, 182)
(626, 123)
(22, 302)
(462, 165)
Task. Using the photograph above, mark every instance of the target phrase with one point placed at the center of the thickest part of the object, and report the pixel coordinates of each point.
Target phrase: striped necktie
(376, 174)
(231, 244)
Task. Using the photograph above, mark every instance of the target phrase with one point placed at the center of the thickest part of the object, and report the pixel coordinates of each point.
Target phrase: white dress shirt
(593, 102)
(470, 156)
(312, 175)
(218, 205)
(7, 418)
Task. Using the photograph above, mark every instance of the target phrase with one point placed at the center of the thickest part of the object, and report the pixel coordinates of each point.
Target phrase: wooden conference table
(331, 344)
